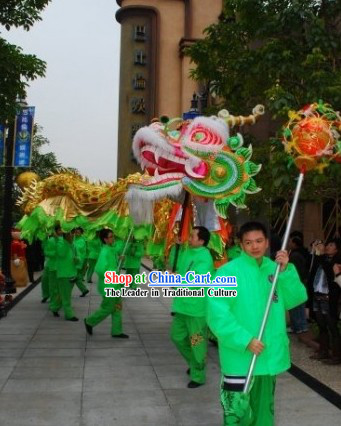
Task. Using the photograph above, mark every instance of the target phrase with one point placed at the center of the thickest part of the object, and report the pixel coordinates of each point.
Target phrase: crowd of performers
(71, 260)
(232, 321)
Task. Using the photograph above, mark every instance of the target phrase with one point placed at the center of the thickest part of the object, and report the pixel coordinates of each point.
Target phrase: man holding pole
(236, 322)
(107, 261)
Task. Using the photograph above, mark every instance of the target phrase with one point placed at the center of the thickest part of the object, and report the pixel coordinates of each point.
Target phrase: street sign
(23, 134)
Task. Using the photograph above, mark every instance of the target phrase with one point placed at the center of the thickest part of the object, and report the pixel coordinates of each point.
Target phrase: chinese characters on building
(138, 102)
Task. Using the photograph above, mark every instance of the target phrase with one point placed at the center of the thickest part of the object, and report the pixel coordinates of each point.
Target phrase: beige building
(154, 77)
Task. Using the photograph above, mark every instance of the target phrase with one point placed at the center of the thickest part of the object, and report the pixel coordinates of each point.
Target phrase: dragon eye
(204, 136)
(219, 172)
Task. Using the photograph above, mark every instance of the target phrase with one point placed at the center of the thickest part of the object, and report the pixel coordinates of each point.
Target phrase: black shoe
(88, 327)
(188, 371)
(84, 294)
(44, 300)
(172, 314)
(121, 336)
(74, 319)
(55, 314)
(193, 385)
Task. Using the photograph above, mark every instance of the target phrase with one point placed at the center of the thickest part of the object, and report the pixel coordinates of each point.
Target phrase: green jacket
(235, 321)
(65, 264)
(200, 261)
(50, 253)
(94, 248)
(134, 253)
(79, 244)
(234, 252)
(107, 261)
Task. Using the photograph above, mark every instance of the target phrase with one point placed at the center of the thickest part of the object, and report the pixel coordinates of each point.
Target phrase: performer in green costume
(94, 248)
(66, 273)
(107, 261)
(236, 322)
(50, 252)
(79, 244)
(189, 327)
(45, 292)
(133, 257)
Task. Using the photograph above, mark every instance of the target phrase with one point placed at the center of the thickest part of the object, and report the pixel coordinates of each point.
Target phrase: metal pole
(274, 283)
(125, 249)
(183, 213)
(7, 210)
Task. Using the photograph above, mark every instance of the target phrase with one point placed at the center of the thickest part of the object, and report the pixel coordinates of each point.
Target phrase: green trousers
(55, 302)
(109, 306)
(45, 293)
(189, 334)
(91, 269)
(133, 272)
(211, 336)
(65, 290)
(253, 409)
(79, 280)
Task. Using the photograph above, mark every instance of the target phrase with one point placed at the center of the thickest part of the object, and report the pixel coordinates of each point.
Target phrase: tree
(16, 68)
(284, 54)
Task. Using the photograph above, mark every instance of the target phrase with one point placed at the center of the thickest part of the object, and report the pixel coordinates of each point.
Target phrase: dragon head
(198, 156)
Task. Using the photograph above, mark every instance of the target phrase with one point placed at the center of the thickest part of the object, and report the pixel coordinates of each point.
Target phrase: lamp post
(194, 110)
(8, 205)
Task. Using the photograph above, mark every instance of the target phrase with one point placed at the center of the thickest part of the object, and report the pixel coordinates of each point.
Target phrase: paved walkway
(53, 374)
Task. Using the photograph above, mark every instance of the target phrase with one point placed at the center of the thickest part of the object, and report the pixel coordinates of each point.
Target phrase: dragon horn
(241, 120)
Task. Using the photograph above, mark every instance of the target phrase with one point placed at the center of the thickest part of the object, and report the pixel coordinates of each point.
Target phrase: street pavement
(53, 374)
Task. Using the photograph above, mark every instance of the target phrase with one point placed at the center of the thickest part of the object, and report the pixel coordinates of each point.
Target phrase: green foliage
(283, 54)
(17, 68)
(21, 13)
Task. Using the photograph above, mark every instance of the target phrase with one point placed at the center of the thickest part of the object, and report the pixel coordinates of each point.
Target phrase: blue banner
(2, 144)
(23, 137)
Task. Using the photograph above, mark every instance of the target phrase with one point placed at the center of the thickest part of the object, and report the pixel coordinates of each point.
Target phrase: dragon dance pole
(125, 249)
(311, 139)
(275, 279)
(183, 215)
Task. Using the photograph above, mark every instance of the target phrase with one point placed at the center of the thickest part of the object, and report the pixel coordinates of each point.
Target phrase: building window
(140, 33)
(139, 82)
(140, 57)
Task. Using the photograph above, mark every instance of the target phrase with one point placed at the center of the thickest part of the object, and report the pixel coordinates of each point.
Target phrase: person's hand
(255, 346)
(337, 268)
(16, 262)
(282, 258)
(318, 247)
